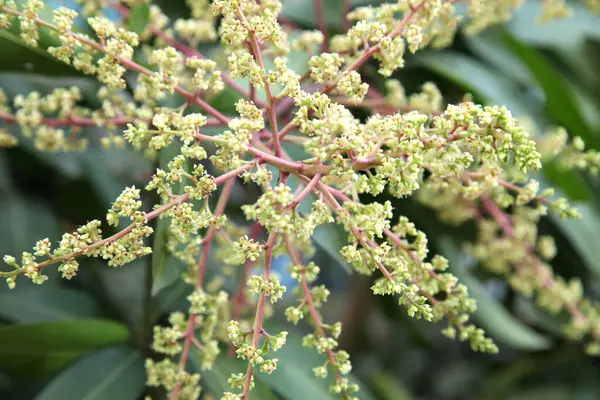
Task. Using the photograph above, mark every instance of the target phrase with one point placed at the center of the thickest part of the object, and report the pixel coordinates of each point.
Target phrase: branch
(188, 52)
(547, 278)
(148, 217)
(260, 312)
(320, 16)
(128, 64)
(255, 46)
(367, 54)
(190, 332)
(87, 122)
(315, 315)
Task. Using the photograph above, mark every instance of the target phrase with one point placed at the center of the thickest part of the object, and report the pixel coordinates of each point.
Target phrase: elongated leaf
(21, 58)
(138, 17)
(388, 388)
(483, 80)
(560, 100)
(48, 303)
(565, 32)
(302, 12)
(109, 171)
(331, 238)
(571, 183)
(5, 179)
(115, 373)
(489, 46)
(499, 323)
(35, 350)
(124, 288)
(24, 221)
(583, 235)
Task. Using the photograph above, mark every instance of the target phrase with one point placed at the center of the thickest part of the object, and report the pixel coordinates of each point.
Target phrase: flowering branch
(190, 332)
(338, 368)
(260, 311)
(545, 280)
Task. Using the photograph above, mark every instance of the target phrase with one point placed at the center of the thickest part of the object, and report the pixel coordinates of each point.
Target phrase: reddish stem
(190, 331)
(260, 311)
(86, 122)
(255, 46)
(306, 191)
(321, 24)
(547, 279)
(150, 216)
(240, 296)
(368, 53)
(347, 23)
(188, 52)
(314, 313)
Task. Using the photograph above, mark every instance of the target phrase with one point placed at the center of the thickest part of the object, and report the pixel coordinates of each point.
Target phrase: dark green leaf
(570, 182)
(109, 171)
(124, 288)
(302, 12)
(47, 303)
(482, 80)
(138, 17)
(490, 47)
(35, 350)
(388, 388)
(583, 235)
(560, 100)
(19, 57)
(159, 248)
(5, 179)
(24, 221)
(332, 238)
(115, 373)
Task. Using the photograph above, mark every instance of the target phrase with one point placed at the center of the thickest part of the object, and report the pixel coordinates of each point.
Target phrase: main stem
(260, 312)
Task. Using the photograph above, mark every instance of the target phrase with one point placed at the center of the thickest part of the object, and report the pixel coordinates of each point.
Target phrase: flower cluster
(474, 157)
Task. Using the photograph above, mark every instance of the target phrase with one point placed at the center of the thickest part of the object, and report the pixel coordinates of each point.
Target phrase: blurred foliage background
(87, 338)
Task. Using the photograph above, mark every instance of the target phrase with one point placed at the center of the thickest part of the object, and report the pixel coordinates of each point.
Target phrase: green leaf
(138, 17)
(489, 46)
(19, 57)
(6, 184)
(302, 12)
(123, 288)
(115, 373)
(215, 379)
(565, 32)
(39, 349)
(482, 80)
(498, 322)
(109, 171)
(225, 101)
(583, 235)
(570, 182)
(29, 305)
(560, 99)
(24, 221)
(331, 239)
(388, 388)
